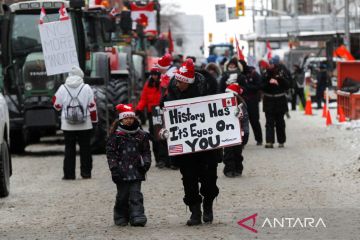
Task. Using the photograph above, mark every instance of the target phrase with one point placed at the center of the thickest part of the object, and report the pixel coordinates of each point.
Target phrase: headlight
(50, 85)
(28, 86)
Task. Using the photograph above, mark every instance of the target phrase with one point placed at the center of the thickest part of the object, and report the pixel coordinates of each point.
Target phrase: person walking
(275, 84)
(233, 158)
(322, 78)
(129, 158)
(150, 99)
(75, 100)
(298, 85)
(252, 99)
(199, 167)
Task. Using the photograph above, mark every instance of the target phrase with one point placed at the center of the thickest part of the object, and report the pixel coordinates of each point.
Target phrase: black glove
(116, 176)
(145, 168)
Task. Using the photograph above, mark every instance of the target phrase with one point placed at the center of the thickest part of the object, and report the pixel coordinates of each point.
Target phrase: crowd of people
(128, 145)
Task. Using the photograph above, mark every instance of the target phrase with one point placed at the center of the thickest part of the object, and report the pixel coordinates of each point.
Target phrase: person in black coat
(232, 74)
(199, 167)
(252, 99)
(322, 78)
(129, 158)
(298, 84)
(275, 84)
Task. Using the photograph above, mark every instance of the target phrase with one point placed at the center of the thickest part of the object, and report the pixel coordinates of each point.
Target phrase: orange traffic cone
(328, 118)
(324, 111)
(341, 115)
(308, 108)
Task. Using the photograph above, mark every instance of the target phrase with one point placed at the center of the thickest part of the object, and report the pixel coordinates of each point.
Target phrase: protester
(233, 157)
(298, 85)
(75, 100)
(263, 66)
(129, 158)
(232, 74)
(214, 70)
(211, 82)
(275, 84)
(149, 99)
(252, 98)
(199, 167)
(322, 78)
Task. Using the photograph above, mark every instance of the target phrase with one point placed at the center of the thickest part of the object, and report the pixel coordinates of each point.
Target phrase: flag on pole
(238, 50)
(268, 50)
(42, 15)
(63, 13)
(171, 43)
(114, 11)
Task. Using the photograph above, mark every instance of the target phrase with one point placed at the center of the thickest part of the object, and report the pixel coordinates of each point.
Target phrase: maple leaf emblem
(183, 69)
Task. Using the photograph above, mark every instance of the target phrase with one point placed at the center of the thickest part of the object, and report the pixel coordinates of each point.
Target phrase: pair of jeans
(82, 137)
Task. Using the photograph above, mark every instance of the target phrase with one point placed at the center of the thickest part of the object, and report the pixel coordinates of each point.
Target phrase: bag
(75, 113)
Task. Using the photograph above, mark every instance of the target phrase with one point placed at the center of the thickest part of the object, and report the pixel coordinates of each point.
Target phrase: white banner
(200, 124)
(58, 45)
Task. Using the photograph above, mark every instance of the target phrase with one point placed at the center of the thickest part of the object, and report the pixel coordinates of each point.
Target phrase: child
(129, 158)
(233, 155)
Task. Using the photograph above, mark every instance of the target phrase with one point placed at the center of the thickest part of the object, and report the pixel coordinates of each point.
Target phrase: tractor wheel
(98, 139)
(17, 142)
(4, 169)
(117, 92)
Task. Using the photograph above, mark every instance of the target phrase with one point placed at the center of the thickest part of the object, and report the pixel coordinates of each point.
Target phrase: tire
(117, 91)
(98, 139)
(4, 170)
(17, 142)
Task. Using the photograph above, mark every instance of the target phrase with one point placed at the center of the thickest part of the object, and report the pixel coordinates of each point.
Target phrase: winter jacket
(275, 95)
(211, 82)
(253, 84)
(229, 77)
(150, 97)
(128, 154)
(62, 99)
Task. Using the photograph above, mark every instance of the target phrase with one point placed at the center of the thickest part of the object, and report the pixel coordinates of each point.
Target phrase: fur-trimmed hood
(213, 66)
(236, 62)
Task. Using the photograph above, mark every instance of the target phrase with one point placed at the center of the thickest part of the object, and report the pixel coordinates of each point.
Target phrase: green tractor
(28, 89)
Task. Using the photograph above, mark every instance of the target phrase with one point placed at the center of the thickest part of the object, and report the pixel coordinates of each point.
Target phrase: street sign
(220, 12)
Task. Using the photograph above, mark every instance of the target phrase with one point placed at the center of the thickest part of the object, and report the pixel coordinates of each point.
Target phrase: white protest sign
(200, 124)
(58, 45)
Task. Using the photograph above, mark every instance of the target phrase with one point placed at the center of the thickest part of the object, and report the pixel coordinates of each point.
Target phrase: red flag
(268, 50)
(63, 13)
(42, 15)
(239, 51)
(228, 102)
(342, 52)
(114, 11)
(171, 44)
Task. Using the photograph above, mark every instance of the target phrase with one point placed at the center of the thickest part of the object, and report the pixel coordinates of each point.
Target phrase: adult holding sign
(195, 167)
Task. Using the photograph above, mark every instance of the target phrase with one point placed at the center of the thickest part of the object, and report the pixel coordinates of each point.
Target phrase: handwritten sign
(200, 124)
(58, 45)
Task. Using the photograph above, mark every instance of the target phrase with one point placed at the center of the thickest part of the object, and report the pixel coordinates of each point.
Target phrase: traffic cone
(341, 115)
(324, 111)
(308, 108)
(328, 118)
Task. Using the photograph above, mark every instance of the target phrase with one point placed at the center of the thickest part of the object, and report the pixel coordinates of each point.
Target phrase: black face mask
(132, 127)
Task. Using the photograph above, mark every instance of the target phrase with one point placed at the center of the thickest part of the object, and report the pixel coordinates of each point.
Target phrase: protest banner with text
(200, 124)
(58, 45)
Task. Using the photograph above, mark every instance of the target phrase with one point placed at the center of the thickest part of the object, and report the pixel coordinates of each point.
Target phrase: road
(318, 170)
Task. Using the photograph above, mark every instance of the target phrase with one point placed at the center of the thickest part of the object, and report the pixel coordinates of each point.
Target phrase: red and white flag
(228, 102)
(239, 51)
(114, 11)
(140, 12)
(42, 15)
(268, 50)
(63, 13)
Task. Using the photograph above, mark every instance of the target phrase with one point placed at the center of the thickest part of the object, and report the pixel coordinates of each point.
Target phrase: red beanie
(234, 88)
(125, 111)
(263, 64)
(164, 62)
(186, 73)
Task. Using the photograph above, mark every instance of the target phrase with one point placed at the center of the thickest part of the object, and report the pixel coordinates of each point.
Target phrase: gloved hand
(164, 133)
(238, 111)
(145, 168)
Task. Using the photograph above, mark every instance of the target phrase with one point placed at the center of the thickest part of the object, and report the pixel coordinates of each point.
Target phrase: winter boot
(136, 204)
(121, 217)
(195, 218)
(208, 210)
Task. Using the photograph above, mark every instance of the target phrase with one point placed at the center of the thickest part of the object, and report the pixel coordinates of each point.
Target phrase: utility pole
(347, 26)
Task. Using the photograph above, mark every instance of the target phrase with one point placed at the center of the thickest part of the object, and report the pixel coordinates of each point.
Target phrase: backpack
(75, 113)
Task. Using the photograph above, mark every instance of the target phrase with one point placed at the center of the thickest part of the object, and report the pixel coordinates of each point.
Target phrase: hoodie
(74, 83)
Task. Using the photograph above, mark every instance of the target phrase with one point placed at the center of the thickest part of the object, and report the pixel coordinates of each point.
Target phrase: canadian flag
(239, 51)
(63, 13)
(139, 12)
(114, 11)
(228, 102)
(42, 15)
(268, 50)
